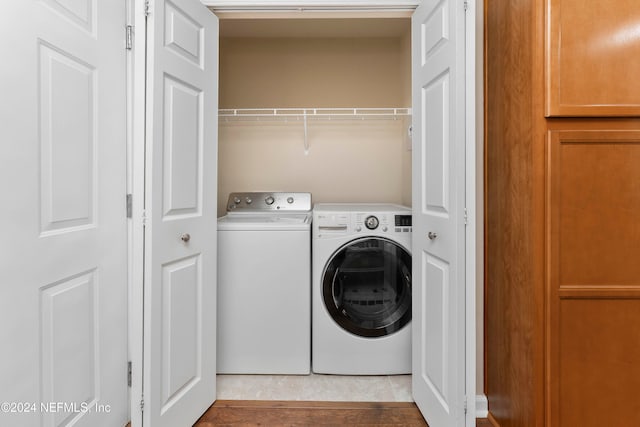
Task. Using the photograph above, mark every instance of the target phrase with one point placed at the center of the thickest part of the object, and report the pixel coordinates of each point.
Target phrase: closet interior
(317, 104)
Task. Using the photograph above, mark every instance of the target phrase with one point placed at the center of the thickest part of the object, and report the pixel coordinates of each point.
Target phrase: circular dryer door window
(367, 287)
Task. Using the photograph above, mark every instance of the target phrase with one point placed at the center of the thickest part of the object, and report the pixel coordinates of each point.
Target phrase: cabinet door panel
(596, 367)
(592, 58)
(593, 295)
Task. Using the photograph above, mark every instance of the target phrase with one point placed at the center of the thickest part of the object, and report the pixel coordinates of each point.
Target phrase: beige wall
(310, 72)
(405, 46)
(348, 161)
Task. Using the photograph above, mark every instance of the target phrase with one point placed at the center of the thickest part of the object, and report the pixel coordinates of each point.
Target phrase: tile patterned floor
(394, 388)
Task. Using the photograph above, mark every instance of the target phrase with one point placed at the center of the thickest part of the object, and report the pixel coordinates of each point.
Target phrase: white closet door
(63, 250)
(180, 232)
(438, 211)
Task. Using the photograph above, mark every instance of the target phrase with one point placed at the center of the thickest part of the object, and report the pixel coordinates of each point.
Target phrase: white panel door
(180, 232)
(63, 251)
(438, 210)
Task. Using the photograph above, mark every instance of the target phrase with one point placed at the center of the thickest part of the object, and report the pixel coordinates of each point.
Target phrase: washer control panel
(366, 223)
(268, 201)
(382, 222)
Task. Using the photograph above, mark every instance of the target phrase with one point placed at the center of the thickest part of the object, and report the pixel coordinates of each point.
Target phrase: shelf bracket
(306, 136)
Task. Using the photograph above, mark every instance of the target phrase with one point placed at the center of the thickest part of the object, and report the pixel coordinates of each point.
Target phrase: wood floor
(297, 413)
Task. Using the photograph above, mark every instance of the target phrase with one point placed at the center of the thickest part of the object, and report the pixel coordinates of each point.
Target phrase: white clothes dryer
(264, 284)
(361, 289)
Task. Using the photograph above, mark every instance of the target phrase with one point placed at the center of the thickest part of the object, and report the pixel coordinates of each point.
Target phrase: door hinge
(129, 205)
(466, 5)
(465, 405)
(146, 8)
(142, 404)
(129, 373)
(466, 217)
(144, 217)
(129, 37)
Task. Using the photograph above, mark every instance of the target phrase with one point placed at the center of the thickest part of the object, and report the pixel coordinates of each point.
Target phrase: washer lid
(260, 222)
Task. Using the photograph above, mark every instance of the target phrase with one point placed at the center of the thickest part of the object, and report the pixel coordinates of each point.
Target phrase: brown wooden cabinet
(593, 58)
(562, 200)
(593, 268)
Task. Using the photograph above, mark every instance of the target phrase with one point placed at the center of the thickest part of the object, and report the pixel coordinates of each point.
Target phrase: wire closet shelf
(303, 114)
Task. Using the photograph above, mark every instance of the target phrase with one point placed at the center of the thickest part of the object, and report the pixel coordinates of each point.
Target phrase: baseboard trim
(482, 406)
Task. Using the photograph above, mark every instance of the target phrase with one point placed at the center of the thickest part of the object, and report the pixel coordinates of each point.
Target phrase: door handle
(432, 236)
(185, 237)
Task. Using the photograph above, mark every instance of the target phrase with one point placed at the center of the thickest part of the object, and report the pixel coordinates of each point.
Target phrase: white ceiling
(334, 28)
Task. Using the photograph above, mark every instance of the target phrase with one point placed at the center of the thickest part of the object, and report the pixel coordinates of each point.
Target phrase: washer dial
(371, 222)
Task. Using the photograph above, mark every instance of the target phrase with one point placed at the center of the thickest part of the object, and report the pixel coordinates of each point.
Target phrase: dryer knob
(290, 200)
(269, 200)
(384, 228)
(358, 228)
(248, 200)
(236, 200)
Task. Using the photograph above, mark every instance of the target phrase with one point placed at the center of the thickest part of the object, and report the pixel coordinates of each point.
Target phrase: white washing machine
(264, 284)
(361, 289)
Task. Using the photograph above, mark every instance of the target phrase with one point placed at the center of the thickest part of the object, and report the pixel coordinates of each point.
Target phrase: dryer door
(366, 287)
